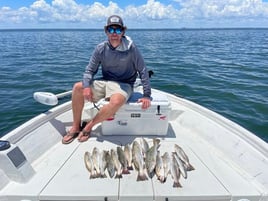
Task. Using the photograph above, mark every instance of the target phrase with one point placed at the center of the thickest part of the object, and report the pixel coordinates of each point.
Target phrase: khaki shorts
(105, 89)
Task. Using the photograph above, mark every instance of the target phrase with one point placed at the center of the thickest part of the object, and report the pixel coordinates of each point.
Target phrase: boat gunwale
(253, 140)
(24, 129)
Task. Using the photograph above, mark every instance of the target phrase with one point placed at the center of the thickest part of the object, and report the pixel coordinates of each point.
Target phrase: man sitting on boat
(120, 62)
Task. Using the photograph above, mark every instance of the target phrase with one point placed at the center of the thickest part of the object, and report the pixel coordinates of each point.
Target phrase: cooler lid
(156, 98)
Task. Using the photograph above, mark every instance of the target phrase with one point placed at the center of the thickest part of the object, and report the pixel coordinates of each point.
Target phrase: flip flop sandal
(84, 136)
(72, 137)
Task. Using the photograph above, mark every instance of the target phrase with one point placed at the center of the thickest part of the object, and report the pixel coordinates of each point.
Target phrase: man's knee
(117, 100)
(78, 87)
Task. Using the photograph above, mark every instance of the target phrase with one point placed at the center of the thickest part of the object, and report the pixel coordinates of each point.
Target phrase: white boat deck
(60, 173)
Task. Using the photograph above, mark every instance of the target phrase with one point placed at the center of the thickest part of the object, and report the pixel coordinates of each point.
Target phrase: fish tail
(142, 177)
(103, 176)
(161, 179)
(111, 174)
(97, 173)
(125, 171)
(190, 167)
(177, 185)
(92, 176)
(184, 176)
(151, 174)
(118, 176)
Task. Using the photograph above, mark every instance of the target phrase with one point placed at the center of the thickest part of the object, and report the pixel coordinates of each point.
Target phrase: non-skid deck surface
(72, 181)
(62, 174)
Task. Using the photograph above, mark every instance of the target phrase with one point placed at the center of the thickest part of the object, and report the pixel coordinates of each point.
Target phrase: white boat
(230, 162)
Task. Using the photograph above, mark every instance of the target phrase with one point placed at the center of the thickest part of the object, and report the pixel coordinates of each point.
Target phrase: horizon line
(182, 28)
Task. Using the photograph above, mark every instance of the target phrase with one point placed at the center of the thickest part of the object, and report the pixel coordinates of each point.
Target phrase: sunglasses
(112, 30)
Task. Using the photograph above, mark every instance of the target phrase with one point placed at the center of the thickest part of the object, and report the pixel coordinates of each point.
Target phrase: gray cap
(115, 20)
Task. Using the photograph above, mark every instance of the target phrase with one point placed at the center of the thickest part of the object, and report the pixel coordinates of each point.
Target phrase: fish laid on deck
(144, 146)
(128, 154)
(89, 164)
(119, 161)
(117, 164)
(175, 172)
(182, 155)
(138, 161)
(103, 164)
(110, 164)
(159, 168)
(166, 164)
(150, 158)
(123, 160)
(96, 157)
(181, 165)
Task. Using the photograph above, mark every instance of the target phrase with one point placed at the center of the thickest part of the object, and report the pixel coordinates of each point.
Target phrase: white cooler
(132, 120)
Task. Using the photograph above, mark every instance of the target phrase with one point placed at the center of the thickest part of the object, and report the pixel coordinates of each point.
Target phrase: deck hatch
(17, 157)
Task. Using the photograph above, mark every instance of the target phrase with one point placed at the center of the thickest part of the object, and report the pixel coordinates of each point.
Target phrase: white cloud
(227, 13)
(227, 8)
(150, 15)
(181, 13)
(155, 10)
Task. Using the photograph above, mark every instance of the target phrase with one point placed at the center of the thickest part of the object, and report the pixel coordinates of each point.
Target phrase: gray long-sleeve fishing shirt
(118, 64)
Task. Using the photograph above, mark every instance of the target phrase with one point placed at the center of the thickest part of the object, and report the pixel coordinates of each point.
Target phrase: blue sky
(136, 14)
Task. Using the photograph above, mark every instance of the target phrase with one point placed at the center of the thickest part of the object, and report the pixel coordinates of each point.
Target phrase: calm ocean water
(225, 70)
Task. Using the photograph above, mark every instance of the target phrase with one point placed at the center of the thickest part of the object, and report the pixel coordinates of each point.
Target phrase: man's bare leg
(108, 110)
(77, 107)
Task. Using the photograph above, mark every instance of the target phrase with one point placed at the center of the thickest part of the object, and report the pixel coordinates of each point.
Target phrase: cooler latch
(158, 110)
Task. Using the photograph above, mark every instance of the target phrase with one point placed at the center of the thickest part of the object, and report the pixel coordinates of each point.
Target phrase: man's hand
(146, 102)
(88, 95)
